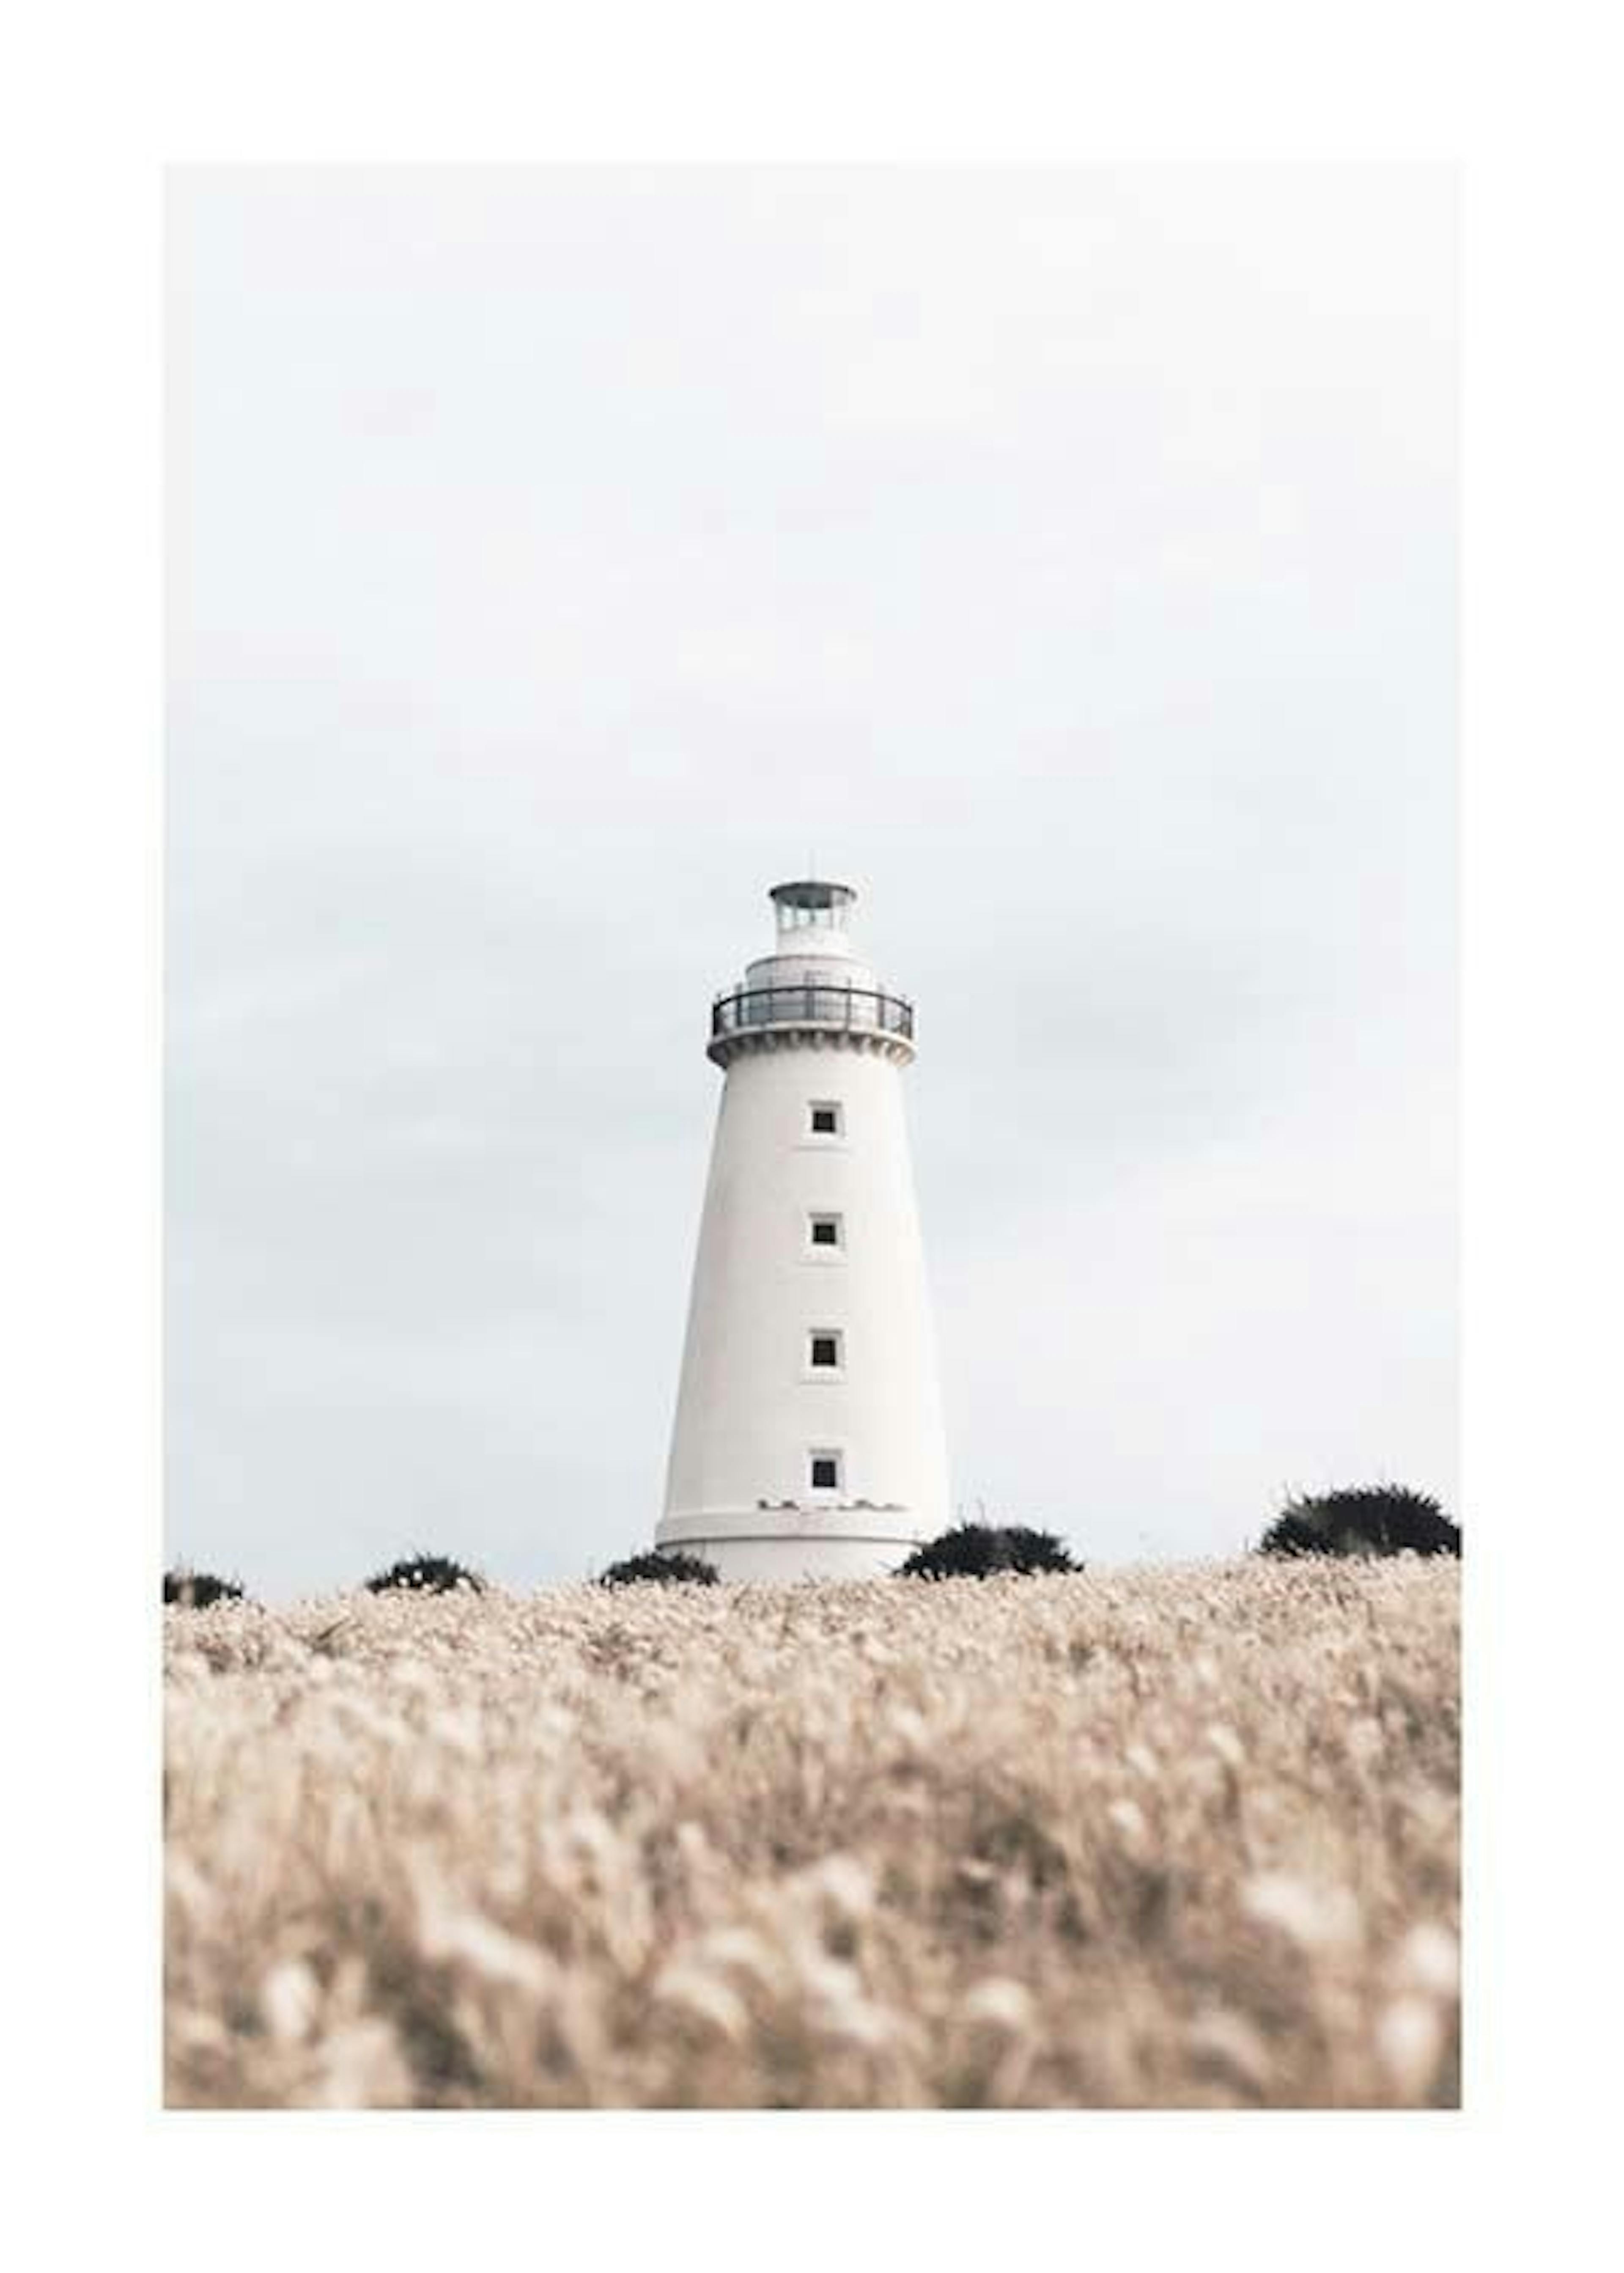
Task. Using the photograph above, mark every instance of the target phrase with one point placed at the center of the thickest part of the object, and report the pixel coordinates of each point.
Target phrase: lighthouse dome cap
(812, 892)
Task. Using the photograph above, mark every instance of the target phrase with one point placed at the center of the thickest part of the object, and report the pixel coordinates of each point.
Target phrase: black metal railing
(851, 1008)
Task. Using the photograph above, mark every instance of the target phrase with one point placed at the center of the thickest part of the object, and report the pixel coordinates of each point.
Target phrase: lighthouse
(808, 1441)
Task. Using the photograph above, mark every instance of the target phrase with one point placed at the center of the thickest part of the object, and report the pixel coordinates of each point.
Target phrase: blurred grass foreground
(1180, 1837)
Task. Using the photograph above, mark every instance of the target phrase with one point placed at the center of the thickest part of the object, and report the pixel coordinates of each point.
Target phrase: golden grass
(1156, 1838)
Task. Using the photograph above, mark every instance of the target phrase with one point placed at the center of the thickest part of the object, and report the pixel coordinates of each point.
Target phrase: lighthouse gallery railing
(850, 1007)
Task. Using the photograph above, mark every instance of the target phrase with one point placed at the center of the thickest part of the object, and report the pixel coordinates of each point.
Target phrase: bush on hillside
(661, 1570)
(195, 1590)
(1364, 1519)
(978, 1550)
(424, 1574)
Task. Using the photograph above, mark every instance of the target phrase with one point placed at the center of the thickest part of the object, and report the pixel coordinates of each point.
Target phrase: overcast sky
(558, 558)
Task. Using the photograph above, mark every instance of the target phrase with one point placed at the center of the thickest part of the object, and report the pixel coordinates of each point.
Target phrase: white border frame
(1528, 102)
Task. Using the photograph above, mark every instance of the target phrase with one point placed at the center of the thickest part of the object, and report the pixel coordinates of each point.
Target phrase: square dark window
(826, 1231)
(826, 1349)
(826, 1120)
(825, 1472)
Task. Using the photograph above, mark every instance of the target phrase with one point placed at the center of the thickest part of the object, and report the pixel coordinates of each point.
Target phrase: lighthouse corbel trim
(808, 1440)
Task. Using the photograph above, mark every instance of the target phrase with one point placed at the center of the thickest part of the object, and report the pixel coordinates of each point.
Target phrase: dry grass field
(1156, 1838)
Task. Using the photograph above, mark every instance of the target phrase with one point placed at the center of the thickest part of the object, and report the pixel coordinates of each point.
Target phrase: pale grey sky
(560, 556)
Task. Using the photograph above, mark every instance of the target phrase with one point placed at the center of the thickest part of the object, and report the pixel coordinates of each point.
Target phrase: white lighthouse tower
(808, 1441)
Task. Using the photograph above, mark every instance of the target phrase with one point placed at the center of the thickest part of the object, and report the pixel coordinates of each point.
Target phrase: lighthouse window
(826, 1118)
(825, 1230)
(825, 1471)
(825, 1350)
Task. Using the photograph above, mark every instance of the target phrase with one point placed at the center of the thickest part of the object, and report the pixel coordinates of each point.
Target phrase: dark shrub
(424, 1574)
(658, 1569)
(977, 1550)
(195, 1590)
(1367, 1520)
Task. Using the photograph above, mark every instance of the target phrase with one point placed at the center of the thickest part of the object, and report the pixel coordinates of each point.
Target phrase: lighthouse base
(778, 1547)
